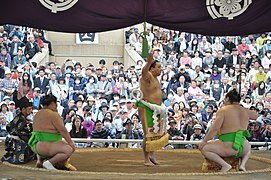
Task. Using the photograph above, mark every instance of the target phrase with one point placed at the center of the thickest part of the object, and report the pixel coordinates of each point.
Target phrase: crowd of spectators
(96, 102)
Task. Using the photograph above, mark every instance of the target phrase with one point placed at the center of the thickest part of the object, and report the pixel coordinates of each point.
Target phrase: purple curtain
(210, 17)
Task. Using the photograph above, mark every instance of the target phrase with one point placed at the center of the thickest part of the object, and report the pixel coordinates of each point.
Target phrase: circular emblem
(227, 8)
(137, 94)
(60, 5)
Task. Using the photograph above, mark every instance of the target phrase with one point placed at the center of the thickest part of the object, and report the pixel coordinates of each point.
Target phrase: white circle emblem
(61, 5)
(227, 8)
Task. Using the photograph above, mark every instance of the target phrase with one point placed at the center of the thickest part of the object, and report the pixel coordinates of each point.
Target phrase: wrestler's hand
(150, 57)
(201, 145)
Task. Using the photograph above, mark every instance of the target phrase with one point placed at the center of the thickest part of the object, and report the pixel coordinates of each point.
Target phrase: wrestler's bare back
(151, 89)
(235, 117)
(43, 121)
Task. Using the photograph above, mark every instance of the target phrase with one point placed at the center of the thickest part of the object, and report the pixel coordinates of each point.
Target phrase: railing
(140, 141)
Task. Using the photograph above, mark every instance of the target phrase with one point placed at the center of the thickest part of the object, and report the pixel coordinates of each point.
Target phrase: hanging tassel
(145, 48)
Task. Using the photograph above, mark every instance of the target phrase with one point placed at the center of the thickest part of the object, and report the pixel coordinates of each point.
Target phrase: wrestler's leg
(152, 158)
(39, 161)
(59, 151)
(214, 151)
(147, 161)
(245, 155)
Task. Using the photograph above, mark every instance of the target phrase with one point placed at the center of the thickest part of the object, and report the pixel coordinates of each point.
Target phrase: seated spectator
(174, 133)
(197, 135)
(3, 123)
(25, 86)
(19, 59)
(7, 86)
(31, 48)
(6, 58)
(88, 123)
(255, 132)
(137, 125)
(101, 133)
(128, 133)
(15, 46)
(5, 111)
(78, 131)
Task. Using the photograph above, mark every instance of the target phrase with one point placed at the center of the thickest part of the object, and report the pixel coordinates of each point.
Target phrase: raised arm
(145, 70)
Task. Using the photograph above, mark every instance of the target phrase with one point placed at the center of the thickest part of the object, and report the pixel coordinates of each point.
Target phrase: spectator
(42, 82)
(101, 133)
(36, 98)
(128, 133)
(19, 59)
(31, 48)
(3, 123)
(260, 75)
(78, 131)
(25, 87)
(174, 133)
(7, 86)
(6, 58)
(197, 135)
(104, 88)
(208, 60)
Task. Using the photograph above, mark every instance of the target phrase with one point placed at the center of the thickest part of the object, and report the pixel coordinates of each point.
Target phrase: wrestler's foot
(148, 164)
(48, 165)
(69, 166)
(153, 160)
(226, 168)
(242, 168)
(39, 165)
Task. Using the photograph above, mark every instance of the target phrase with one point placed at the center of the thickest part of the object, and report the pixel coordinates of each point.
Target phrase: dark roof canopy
(211, 17)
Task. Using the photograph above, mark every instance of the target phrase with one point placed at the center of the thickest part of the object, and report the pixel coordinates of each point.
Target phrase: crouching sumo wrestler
(46, 140)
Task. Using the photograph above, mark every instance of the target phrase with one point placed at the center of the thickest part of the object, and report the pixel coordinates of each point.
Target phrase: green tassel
(145, 48)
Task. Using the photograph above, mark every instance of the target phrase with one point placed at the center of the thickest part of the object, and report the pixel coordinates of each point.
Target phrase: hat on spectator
(189, 98)
(77, 64)
(234, 49)
(99, 68)
(171, 111)
(129, 100)
(103, 105)
(90, 98)
(7, 72)
(116, 62)
(268, 51)
(68, 72)
(6, 97)
(3, 103)
(208, 51)
(172, 121)
(197, 126)
(11, 102)
(247, 97)
(103, 75)
(113, 108)
(78, 99)
(128, 121)
(36, 89)
(115, 104)
(86, 108)
(122, 101)
(227, 51)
